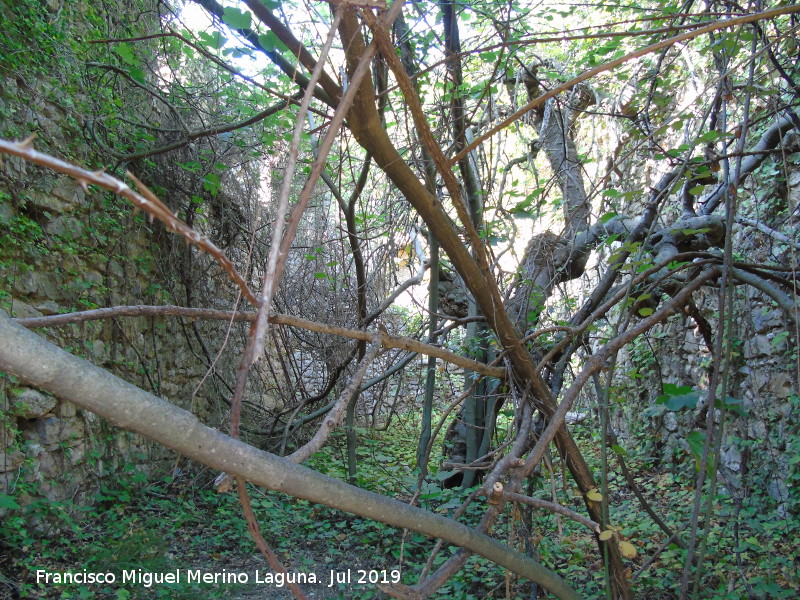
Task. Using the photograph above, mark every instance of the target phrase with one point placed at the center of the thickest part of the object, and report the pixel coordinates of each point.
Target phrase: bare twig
(271, 272)
(552, 507)
(144, 200)
(252, 523)
(387, 340)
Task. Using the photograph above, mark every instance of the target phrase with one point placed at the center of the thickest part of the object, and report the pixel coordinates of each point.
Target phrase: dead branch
(44, 365)
(387, 340)
(144, 200)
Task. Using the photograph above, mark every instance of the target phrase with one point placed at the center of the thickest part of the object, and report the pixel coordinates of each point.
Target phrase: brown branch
(368, 130)
(252, 523)
(381, 37)
(552, 507)
(144, 200)
(44, 365)
(598, 362)
(258, 329)
(387, 341)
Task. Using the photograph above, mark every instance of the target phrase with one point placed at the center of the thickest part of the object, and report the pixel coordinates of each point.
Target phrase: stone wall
(761, 431)
(64, 249)
(73, 251)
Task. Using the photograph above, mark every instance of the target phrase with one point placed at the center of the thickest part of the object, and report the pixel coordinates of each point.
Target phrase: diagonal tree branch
(46, 366)
(387, 341)
(144, 200)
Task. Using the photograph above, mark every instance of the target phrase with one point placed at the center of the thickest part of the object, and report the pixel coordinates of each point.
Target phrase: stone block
(76, 453)
(48, 307)
(51, 465)
(731, 459)
(66, 227)
(67, 190)
(37, 283)
(760, 378)
(764, 319)
(45, 202)
(35, 450)
(25, 283)
(6, 213)
(22, 310)
(66, 409)
(28, 403)
(51, 431)
(782, 385)
(99, 351)
(670, 422)
(756, 429)
(758, 345)
(10, 459)
(7, 435)
(116, 269)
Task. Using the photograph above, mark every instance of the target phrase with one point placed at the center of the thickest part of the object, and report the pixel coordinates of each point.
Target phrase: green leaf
(675, 403)
(270, 42)
(645, 312)
(607, 217)
(137, 74)
(126, 53)
(215, 41)
(697, 441)
(670, 389)
(619, 450)
(778, 339)
(676, 397)
(9, 502)
(211, 183)
(733, 405)
(709, 136)
(654, 411)
(236, 19)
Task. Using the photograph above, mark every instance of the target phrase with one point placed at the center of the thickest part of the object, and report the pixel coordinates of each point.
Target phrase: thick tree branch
(46, 366)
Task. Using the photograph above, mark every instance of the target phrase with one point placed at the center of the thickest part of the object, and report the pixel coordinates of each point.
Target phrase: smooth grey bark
(46, 366)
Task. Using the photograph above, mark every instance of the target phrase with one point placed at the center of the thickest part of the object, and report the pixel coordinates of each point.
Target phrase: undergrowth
(179, 523)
